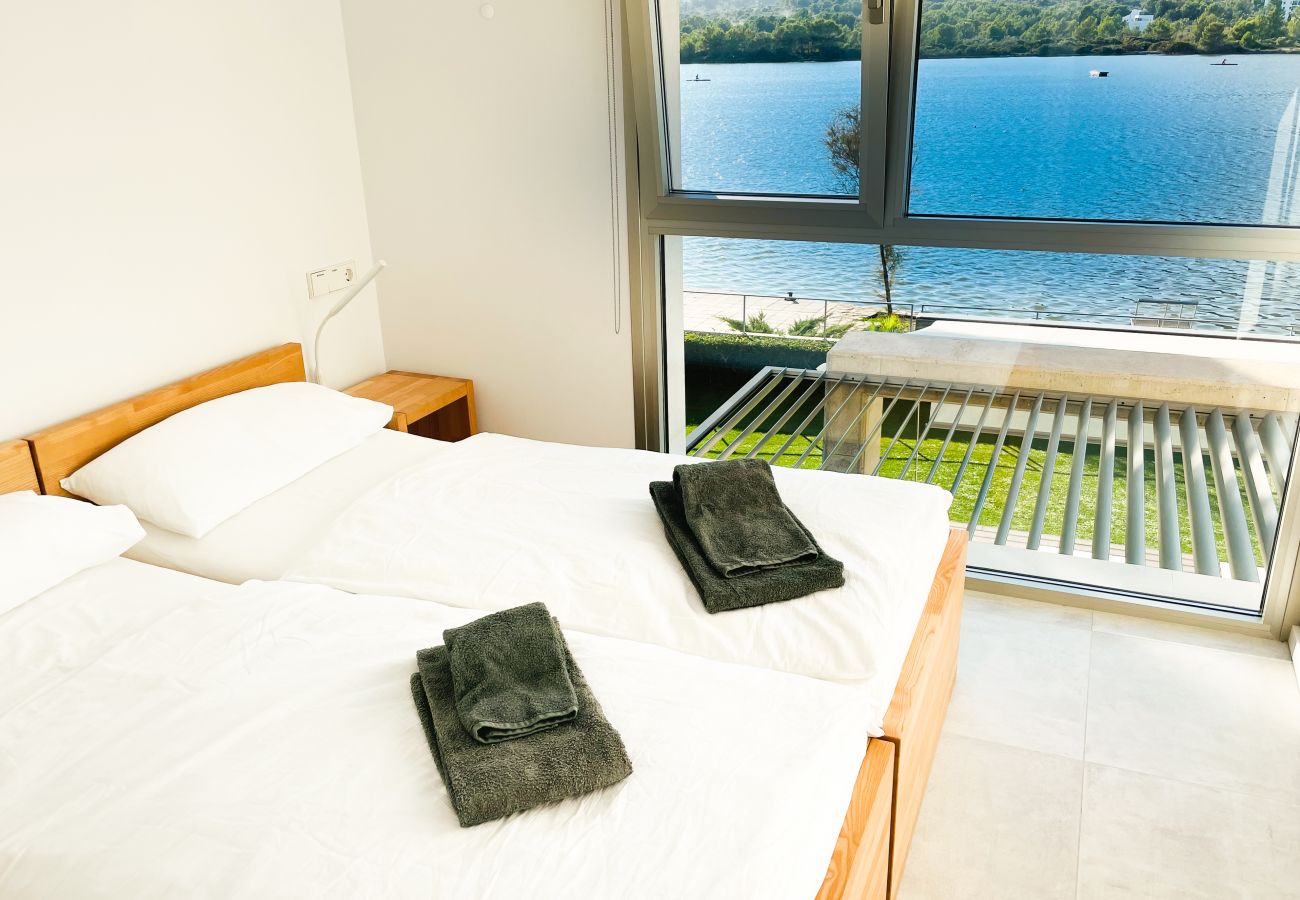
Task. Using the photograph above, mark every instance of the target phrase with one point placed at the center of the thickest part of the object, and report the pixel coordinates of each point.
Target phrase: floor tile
(998, 822)
(1197, 714)
(1144, 836)
(1189, 634)
(1022, 675)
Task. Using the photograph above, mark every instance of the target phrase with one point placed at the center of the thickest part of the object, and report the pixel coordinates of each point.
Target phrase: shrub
(756, 324)
(751, 352)
(890, 322)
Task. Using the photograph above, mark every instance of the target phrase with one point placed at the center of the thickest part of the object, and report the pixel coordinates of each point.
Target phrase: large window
(752, 90)
(932, 111)
(1038, 251)
(1094, 135)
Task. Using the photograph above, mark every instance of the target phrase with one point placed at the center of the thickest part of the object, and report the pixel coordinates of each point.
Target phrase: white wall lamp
(338, 308)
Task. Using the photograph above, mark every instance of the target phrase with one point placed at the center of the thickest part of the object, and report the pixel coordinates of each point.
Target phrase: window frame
(879, 214)
(675, 211)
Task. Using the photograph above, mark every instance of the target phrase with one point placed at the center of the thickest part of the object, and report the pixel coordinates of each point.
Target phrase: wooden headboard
(17, 473)
(63, 449)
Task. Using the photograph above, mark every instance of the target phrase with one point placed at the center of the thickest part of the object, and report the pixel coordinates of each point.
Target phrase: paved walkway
(700, 311)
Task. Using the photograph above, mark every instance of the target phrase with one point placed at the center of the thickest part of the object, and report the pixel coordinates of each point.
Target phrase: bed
(911, 692)
(263, 541)
(158, 731)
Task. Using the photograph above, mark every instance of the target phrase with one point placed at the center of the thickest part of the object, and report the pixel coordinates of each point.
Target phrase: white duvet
(164, 736)
(496, 521)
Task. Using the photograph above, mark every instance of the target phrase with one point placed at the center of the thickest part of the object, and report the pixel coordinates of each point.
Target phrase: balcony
(1124, 461)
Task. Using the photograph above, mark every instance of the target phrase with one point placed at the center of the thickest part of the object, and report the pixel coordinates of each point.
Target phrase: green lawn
(1022, 517)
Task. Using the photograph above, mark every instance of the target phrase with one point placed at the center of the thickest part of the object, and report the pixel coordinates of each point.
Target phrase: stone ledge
(1084, 361)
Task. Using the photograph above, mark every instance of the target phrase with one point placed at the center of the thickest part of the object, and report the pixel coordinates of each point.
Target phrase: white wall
(486, 158)
(169, 171)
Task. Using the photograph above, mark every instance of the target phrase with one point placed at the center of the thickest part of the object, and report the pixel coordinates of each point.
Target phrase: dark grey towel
(738, 519)
(509, 674)
(490, 781)
(721, 594)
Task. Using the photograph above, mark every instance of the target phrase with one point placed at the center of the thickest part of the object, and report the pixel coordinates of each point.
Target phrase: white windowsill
(1294, 641)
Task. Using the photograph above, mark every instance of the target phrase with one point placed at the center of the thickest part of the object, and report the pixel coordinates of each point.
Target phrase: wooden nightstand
(431, 406)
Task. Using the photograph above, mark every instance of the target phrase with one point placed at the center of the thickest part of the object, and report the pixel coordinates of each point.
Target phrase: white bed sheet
(261, 541)
(495, 521)
(165, 736)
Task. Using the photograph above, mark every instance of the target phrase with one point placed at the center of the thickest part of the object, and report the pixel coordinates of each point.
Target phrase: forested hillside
(807, 30)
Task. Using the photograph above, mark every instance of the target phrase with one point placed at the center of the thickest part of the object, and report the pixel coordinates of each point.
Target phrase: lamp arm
(338, 308)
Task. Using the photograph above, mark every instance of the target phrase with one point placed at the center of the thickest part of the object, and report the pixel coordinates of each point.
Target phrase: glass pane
(1074, 111)
(1204, 294)
(1104, 422)
(762, 97)
(1219, 295)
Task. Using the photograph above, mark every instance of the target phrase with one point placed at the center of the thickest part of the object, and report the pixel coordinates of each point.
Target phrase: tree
(1086, 31)
(785, 30)
(843, 141)
(1160, 30)
(1111, 28)
(1272, 21)
(1210, 32)
(945, 36)
(891, 260)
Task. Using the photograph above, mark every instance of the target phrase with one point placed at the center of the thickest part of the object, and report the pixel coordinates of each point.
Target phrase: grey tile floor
(1094, 755)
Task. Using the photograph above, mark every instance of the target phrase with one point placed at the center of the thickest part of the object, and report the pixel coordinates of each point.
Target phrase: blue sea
(1160, 139)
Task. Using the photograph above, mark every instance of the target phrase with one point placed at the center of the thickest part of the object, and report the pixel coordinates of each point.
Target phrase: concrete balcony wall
(1154, 368)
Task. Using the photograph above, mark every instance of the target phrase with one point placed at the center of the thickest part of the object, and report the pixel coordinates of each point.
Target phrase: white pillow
(191, 472)
(46, 540)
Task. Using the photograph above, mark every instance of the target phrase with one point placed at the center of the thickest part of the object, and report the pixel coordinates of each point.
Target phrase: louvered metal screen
(1152, 484)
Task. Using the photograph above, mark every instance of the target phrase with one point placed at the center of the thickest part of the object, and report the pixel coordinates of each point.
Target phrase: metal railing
(1039, 312)
(1216, 475)
(1042, 313)
(866, 306)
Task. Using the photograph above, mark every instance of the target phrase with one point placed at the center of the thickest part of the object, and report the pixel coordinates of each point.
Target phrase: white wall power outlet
(334, 278)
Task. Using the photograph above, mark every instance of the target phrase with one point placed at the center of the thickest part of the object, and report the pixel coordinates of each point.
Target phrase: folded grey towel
(739, 520)
(721, 594)
(490, 781)
(509, 674)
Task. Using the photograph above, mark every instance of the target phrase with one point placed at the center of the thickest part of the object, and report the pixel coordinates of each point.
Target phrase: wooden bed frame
(65, 448)
(912, 726)
(17, 471)
(871, 851)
